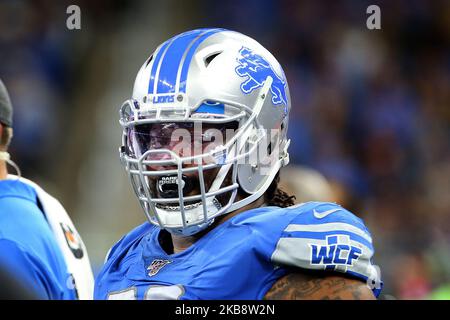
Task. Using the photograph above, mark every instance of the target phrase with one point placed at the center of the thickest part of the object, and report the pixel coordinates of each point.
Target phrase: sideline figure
(204, 138)
(39, 246)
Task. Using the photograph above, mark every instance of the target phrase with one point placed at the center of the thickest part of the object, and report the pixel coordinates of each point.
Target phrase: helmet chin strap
(5, 156)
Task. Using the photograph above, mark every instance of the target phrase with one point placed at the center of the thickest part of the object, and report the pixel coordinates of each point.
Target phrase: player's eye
(160, 141)
(209, 138)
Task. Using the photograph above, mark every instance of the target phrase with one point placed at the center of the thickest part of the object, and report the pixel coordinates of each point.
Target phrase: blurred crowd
(371, 108)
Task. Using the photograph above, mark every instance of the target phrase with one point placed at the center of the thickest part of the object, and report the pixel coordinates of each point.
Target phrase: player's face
(184, 140)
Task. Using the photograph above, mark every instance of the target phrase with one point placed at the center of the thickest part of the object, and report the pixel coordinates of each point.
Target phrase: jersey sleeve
(28, 270)
(325, 236)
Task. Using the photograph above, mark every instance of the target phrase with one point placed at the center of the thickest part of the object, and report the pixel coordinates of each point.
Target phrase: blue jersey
(242, 257)
(28, 249)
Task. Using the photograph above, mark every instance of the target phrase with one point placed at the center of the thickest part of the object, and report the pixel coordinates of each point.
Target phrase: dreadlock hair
(277, 197)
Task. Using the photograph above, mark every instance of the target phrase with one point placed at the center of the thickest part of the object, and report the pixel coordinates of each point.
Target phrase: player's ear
(6, 134)
(1, 135)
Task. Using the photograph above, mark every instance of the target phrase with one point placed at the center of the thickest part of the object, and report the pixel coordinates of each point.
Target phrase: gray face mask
(4, 156)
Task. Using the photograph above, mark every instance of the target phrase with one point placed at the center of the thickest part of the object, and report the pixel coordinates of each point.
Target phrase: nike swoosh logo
(321, 215)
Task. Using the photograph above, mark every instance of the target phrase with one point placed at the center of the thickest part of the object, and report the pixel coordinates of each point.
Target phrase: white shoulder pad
(325, 236)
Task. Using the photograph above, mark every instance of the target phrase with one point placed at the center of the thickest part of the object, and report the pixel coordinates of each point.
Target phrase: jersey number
(173, 292)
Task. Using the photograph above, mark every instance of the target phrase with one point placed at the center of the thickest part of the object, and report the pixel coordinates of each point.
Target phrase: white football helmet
(215, 78)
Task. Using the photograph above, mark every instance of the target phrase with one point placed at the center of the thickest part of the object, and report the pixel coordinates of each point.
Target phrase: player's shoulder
(20, 214)
(310, 213)
(320, 221)
(329, 214)
(15, 193)
(129, 239)
(326, 236)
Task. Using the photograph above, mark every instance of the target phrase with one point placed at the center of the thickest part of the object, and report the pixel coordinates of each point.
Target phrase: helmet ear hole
(210, 58)
(149, 60)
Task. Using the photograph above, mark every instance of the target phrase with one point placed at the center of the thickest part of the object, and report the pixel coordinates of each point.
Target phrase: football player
(40, 248)
(204, 138)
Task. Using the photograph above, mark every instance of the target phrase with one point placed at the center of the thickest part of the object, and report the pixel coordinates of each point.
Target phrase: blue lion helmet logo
(256, 68)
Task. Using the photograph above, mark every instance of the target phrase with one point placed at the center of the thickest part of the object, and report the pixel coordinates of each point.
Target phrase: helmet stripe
(180, 67)
(171, 63)
(156, 61)
(190, 54)
(167, 76)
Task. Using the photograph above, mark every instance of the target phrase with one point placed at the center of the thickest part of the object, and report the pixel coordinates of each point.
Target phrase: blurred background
(369, 122)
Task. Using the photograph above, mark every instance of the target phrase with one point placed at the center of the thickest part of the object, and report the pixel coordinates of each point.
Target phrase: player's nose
(161, 161)
(184, 151)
